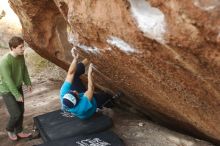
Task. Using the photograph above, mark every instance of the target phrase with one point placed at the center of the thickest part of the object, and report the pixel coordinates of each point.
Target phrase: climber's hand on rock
(74, 53)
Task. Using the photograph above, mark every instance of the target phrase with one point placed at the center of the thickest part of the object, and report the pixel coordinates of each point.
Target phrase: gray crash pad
(58, 125)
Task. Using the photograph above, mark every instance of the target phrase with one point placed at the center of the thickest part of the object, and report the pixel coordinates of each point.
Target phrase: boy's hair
(15, 41)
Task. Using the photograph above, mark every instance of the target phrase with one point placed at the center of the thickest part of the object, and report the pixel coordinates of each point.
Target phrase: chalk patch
(108, 49)
(206, 5)
(122, 45)
(88, 49)
(73, 40)
(179, 141)
(150, 20)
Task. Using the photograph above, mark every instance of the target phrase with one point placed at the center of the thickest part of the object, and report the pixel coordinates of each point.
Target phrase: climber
(75, 98)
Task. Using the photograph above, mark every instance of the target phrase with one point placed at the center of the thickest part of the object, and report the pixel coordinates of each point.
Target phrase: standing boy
(13, 73)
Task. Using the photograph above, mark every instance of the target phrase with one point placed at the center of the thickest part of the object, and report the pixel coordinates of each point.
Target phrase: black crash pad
(58, 125)
(106, 138)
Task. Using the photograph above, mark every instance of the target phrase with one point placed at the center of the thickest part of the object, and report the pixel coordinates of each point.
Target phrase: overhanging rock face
(163, 54)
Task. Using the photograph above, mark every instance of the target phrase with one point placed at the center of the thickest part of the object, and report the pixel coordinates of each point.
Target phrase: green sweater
(13, 72)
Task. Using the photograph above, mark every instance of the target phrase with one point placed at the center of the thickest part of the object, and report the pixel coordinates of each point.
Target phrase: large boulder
(163, 54)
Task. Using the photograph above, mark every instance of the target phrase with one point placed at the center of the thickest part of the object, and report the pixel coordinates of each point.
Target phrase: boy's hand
(74, 53)
(29, 88)
(90, 69)
(20, 99)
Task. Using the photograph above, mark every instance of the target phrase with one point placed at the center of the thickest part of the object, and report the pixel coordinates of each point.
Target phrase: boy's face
(19, 50)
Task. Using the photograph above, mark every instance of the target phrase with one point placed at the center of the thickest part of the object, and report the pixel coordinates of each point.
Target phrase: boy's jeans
(16, 112)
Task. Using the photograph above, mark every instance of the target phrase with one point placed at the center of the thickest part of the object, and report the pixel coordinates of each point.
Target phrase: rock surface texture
(163, 54)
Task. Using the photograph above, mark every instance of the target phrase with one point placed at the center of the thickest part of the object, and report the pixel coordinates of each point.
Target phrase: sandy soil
(133, 129)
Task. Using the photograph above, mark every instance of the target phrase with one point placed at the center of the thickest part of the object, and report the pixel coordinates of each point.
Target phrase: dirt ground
(133, 129)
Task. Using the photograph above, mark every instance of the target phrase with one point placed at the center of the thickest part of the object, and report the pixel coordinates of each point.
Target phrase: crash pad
(58, 125)
(107, 138)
